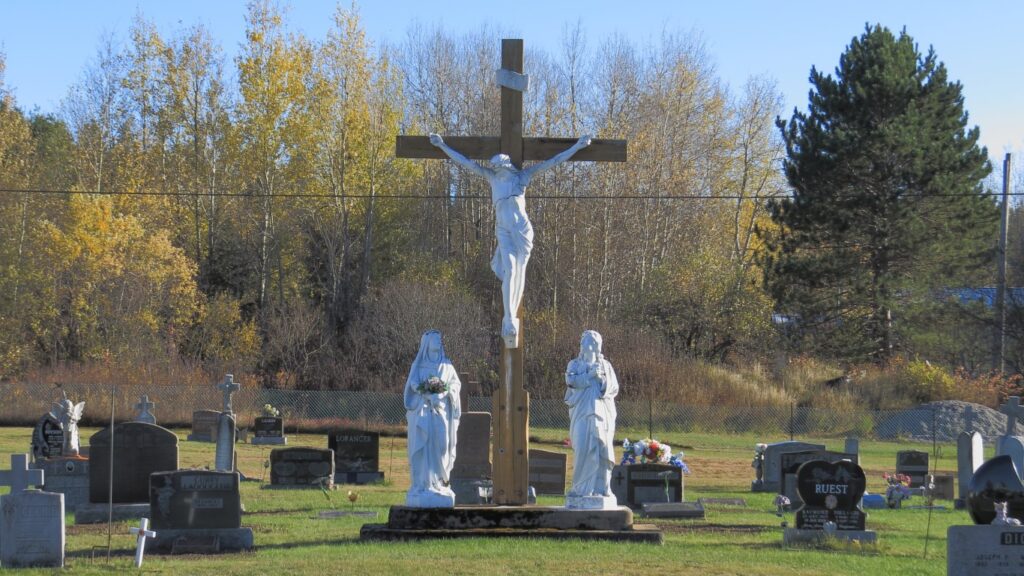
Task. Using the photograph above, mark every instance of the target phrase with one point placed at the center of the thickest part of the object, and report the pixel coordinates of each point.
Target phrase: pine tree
(887, 204)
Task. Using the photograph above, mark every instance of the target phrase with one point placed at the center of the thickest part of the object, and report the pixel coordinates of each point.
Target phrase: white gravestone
(984, 549)
(433, 419)
(1010, 444)
(31, 521)
(590, 394)
(970, 453)
(141, 533)
(145, 408)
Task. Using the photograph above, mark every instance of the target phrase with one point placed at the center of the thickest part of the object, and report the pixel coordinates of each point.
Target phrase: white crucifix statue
(229, 387)
(20, 476)
(514, 233)
(141, 533)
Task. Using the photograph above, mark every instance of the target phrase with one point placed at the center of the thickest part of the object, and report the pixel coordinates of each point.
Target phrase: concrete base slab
(591, 502)
(524, 517)
(801, 536)
(637, 533)
(201, 541)
(357, 477)
(92, 513)
(269, 440)
(685, 510)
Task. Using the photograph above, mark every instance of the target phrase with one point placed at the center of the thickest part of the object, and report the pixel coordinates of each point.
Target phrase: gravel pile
(950, 418)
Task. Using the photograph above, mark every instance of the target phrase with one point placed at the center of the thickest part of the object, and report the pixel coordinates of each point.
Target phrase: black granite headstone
(997, 480)
(356, 456)
(301, 467)
(650, 482)
(913, 463)
(831, 491)
(139, 450)
(268, 427)
(790, 462)
(186, 499)
(48, 438)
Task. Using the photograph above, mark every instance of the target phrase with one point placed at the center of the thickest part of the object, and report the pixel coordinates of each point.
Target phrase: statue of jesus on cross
(511, 224)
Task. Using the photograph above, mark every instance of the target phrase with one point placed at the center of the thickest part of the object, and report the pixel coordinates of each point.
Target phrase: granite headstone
(772, 464)
(547, 472)
(140, 449)
(356, 456)
(204, 426)
(301, 467)
(194, 499)
(472, 469)
(268, 430)
(970, 453)
(913, 463)
(831, 491)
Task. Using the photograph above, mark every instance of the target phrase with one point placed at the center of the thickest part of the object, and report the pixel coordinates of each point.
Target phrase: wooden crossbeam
(485, 147)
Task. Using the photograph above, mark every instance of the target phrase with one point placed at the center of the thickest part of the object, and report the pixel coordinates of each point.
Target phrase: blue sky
(48, 43)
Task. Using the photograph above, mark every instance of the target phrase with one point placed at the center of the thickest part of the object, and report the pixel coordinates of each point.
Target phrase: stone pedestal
(591, 502)
(67, 476)
(201, 541)
(92, 513)
(430, 500)
(805, 536)
(405, 523)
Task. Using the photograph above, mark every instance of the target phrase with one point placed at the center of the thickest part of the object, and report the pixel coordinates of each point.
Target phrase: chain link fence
(315, 411)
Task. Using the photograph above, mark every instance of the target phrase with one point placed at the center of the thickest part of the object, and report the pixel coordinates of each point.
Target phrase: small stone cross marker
(229, 387)
(1012, 409)
(141, 533)
(20, 476)
(144, 406)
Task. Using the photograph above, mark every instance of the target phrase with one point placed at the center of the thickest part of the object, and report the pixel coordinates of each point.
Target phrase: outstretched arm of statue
(459, 159)
(557, 159)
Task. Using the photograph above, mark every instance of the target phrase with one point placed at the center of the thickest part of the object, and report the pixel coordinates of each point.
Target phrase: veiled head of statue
(590, 343)
(502, 161)
(431, 348)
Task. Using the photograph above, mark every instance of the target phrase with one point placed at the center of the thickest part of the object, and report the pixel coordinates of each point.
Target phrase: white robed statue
(591, 391)
(433, 411)
(511, 225)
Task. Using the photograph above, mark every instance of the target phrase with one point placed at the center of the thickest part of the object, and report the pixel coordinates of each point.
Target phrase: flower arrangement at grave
(651, 451)
(897, 489)
(270, 411)
(432, 385)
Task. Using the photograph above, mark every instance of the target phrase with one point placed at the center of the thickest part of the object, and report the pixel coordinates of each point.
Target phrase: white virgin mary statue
(592, 387)
(433, 411)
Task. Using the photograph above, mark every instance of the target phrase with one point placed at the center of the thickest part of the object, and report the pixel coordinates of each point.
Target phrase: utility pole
(999, 336)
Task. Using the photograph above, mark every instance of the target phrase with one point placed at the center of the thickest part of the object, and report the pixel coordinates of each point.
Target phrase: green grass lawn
(291, 539)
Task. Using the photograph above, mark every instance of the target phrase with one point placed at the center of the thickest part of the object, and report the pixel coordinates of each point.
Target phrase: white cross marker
(141, 533)
(1012, 409)
(229, 387)
(20, 476)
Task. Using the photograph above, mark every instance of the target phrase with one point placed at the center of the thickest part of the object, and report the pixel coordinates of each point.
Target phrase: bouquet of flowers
(432, 385)
(898, 489)
(651, 451)
(270, 411)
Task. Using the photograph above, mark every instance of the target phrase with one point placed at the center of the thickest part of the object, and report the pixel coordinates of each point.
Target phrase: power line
(310, 195)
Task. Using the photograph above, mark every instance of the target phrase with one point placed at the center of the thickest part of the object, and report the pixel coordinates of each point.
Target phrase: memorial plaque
(139, 450)
(268, 430)
(831, 491)
(547, 472)
(204, 426)
(301, 467)
(191, 499)
(356, 456)
(913, 463)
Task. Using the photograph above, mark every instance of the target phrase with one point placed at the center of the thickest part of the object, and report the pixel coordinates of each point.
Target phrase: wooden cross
(1012, 409)
(511, 401)
(229, 387)
(141, 533)
(20, 476)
